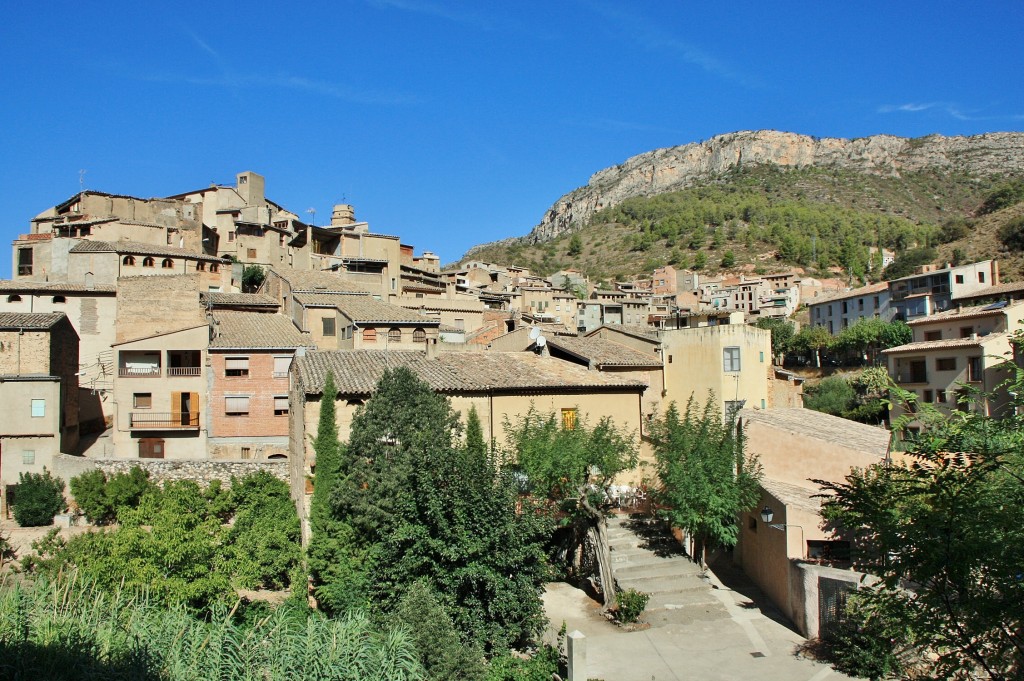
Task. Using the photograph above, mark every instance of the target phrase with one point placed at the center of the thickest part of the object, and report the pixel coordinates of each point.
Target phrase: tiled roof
(825, 427)
(868, 290)
(136, 248)
(971, 312)
(357, 372)
(57, 287)
(325, 299)
(645, 332)
(993, 291)
(314, 281)
(237, 299)
(946, 344)
(603, 352)
(441, 304)
(367, 310)
(29, 320)
(794, 496)
(235, 329)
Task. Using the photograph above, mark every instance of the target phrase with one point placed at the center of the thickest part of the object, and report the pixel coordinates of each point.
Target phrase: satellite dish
(534, 333)
(541, 341)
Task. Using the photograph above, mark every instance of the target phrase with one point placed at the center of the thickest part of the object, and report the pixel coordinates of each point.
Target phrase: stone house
(499, 384)
(39, 392)
(839, 311)
(347, 322)
(955, 351)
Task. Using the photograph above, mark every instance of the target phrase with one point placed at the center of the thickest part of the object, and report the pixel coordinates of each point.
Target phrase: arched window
(419, 336)
(14, 299)
(147, 262)
(59, 299)
(395, 336)
(200, 266)
(167, 264)
(370, 335)
(128, 260)
(214, 267)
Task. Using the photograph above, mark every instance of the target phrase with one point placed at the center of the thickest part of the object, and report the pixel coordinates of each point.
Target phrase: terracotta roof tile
(315, 281)
(216, 298)
(366, 310)
(825, 427)
(971, 312)
(48, 286)
(868, 290)
(993, 291)
(441, 304)
(235, 329)
(29, 320)
(945, 344)
(357, 372)
(603, 352)
(136, 248)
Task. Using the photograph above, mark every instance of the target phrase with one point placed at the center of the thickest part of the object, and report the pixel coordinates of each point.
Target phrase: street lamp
(767, 514)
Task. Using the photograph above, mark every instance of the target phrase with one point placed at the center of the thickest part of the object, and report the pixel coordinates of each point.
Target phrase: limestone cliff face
(674, 168)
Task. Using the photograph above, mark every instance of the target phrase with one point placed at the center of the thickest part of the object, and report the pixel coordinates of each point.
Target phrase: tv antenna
(81, 181)
(312, 212)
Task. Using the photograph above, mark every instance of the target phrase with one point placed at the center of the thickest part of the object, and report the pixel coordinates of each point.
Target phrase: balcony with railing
(184, 371)
(148, 420)
(139, 371)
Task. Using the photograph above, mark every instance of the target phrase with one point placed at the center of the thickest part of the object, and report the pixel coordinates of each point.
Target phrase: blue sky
(454, 123)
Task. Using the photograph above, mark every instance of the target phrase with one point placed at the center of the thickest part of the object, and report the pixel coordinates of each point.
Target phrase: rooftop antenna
(312, 212)
(81, 181)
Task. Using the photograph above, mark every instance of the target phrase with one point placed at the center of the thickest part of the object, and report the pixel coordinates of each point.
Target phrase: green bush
(40, 496)
(1012, 233)
(834, 395)
(631, 604)
(101, 498)
(869, 641)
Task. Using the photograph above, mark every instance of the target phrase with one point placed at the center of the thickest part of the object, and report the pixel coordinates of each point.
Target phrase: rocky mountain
(675, 168)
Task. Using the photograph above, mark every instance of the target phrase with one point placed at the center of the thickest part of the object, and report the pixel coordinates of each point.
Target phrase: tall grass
(70, 629)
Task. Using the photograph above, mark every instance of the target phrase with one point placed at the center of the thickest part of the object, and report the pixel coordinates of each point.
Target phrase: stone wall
(162, 470)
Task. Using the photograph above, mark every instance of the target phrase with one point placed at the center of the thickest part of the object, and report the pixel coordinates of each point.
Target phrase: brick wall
(261, 387)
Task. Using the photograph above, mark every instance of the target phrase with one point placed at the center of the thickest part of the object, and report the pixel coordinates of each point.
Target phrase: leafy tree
(475, 434)
(944, 534)
(40, 497)
(252, 278)
(575, 245)
(905, 264)
(441, 651)
(728, 259)
(700, 261)
(707, 479)
(100, 498)
(569, 465)
(1012, 233)
(425, 508)
(783, 333)
(833, 395)
(338, 578)
(262, 545)
(812, 340)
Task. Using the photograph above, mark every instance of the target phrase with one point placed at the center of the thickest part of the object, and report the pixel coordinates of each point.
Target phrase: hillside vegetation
(769, 218)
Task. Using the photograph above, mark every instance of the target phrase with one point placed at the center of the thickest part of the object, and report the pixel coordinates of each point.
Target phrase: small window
(370, 335)
(731, 359)
(419, 336)
(236, 366)
(28, 457)
(148, 262)
(981, 277)
(252, 253)
(281, 365)
(59, 300)
(246, 452)
(231, 236)
(236, 405)
(928, 396)
(940, 396)
(200, 267)
(569, 417)
(38, 408)
(214, 267)
(280, 405)
(128, 260)
(167, 264)
(14, 299)
(966, 331)
(974, 369)
(142, 400)
(395, 336)
(933, 335)
(328, 323)
(459, 324)
(762, 356)
(959, 278)
(945, 364)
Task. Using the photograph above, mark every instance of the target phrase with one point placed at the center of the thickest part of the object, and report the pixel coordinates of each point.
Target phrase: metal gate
(832, 595)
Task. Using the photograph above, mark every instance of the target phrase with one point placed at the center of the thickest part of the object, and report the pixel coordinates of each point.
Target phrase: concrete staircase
(647, 558)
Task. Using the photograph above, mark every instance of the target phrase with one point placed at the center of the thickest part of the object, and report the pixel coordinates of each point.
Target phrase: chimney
(431, 348)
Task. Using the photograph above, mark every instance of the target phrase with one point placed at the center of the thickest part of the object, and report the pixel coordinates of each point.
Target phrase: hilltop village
(192, 335)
